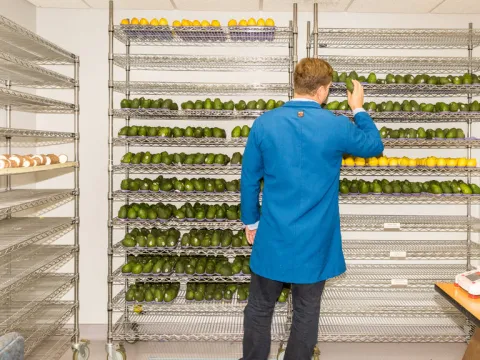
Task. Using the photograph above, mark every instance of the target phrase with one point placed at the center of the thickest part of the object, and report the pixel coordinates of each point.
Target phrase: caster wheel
(119, 355)
(77, 355)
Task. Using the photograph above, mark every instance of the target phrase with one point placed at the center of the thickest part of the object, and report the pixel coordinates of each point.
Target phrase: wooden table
(468, 306)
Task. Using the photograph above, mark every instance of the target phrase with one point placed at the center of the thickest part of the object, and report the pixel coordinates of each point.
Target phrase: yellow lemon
(232, 22)
(261, 22)
(176, 23)
(392, 162)
(383, 161)
(242, 22)
(252, 22)
(462, 162)
(270, 22)
(359, 161)
(452, 162)
(431, 162)
(441, 162)
(154, 22)
(205, 23)
(349, 161)
(196, 23)
(186, 22)
(144, 21)
(125, 22)
(373, 161)
(216, 23)
(134, 21)
(412, 162)
(404, 161)
(472, 163)
(163, 22)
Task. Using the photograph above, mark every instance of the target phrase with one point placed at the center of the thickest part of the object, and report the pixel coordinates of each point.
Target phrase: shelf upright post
(76, 122)
(295, 45)
(110, 178)
(315, 30)
(290, 69)
(309, 45)
(8, 110)
(469, 147)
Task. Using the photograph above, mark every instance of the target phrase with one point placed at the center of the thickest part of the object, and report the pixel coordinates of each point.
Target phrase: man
(297, 149)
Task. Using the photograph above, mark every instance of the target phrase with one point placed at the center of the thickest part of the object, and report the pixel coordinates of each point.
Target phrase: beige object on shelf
(25, 161)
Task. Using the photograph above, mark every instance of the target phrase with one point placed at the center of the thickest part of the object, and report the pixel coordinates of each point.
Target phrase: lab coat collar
(302, 104)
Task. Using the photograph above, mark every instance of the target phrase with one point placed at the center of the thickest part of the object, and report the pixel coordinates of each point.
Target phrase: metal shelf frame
(28, 258)
(144, 328)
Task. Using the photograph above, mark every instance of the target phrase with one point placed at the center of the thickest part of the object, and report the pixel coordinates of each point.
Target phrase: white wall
(84, 32)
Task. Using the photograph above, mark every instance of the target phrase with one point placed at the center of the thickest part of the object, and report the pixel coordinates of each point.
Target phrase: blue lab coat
(297, 149)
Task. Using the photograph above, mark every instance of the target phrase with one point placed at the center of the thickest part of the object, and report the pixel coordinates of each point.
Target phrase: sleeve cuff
(253, 226)
(359, 110)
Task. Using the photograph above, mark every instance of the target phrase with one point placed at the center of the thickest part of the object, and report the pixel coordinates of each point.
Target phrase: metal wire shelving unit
(31, 288)
(384, 302)
(185, 325)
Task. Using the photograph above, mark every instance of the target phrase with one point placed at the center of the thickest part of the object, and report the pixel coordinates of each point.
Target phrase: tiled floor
(226, 351)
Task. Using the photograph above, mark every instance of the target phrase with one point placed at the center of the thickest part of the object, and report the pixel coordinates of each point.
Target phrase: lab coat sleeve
(252, 173)
(362, 138)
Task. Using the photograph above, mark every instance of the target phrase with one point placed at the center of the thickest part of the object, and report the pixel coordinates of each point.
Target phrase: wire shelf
(372, 301)
(119, 278)
(18, 200)
(212, 89)
(31, 263)
(408, 250)
(164, 114)
(47, 290)
(230, 252)
(399, 64)
(25, 44)
(45, 323)
(39, 168)
(54, 347)
(424, 198)
(414, 328)
(410, 90)
(182, 306)
(24, 73)
(10, 132)
(203, 36)
(16, 233)
(160, 327)
(421, 223)
(345, 171)
(397, 38)
(20, 101)
(417, 116)
(240, 142)
(203, 63)
(178, 142)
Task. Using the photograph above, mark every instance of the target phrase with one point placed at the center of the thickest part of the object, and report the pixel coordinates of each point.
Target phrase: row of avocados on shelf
(147, 158)
(176, 132)
(372, 78)
(198, 238)
(453, 187)
(182, 185)
(421, 133)
(186, 265)
(149, 292)
(199, 292)
(407, 106)
(207, 104)
(187, 211)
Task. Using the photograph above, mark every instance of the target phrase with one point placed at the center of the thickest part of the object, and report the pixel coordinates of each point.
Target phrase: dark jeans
(259, 312)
